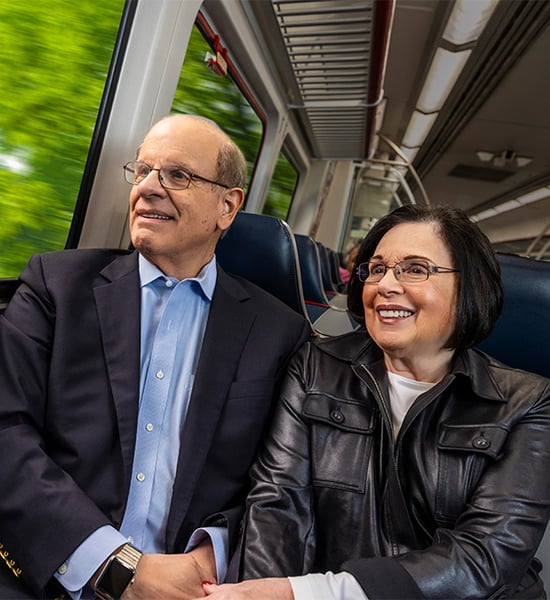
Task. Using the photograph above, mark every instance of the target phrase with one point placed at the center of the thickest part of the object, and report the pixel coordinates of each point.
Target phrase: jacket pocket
(464, 451)
(341, 441)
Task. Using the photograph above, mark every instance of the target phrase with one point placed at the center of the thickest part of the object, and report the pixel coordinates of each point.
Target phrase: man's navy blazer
(69, 392)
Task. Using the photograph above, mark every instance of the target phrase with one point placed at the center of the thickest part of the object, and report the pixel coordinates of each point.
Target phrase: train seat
(334, 263)
(521, 337)
(262, 249)
(310, 267)
(335, 297)
(328, 320)
(328, 285)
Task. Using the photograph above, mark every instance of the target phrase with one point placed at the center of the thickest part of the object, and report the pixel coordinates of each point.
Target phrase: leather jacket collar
(358, 348)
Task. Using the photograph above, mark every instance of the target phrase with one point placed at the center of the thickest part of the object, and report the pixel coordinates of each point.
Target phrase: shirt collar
(148, 272)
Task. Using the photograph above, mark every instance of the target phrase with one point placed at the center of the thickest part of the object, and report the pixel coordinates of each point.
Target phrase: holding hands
(266, 589)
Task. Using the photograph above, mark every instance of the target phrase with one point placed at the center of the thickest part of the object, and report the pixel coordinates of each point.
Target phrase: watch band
(129, 556)
(118, 573)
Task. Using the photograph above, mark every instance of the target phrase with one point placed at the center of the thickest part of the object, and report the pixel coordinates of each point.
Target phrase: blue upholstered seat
(262, 249)
(521, 337)
(312, 283)
(328, 284)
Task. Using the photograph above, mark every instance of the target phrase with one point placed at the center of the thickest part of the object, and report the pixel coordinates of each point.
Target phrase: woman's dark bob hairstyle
(480, 292)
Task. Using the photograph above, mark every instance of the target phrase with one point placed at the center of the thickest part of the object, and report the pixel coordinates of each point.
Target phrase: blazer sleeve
(44, 513)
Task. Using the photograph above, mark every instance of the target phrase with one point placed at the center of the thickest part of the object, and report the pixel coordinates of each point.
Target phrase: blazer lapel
(118, 307)
(229, 322)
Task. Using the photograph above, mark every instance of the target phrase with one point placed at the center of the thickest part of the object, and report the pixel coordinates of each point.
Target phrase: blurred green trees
(56, 56)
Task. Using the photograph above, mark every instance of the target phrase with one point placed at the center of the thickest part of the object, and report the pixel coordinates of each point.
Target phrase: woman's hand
(256, 589)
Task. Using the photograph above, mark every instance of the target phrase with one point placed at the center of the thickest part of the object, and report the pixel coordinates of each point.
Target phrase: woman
(405, 461)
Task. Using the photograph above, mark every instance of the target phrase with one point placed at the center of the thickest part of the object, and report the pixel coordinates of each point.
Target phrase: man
(135, 388)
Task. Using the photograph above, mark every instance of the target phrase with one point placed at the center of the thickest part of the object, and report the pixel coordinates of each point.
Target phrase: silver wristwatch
(118, 573)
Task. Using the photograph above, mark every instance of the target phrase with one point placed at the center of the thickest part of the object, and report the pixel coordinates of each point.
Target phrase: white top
(403, 392)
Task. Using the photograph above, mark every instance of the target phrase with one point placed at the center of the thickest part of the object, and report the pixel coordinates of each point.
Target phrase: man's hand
(173, 576)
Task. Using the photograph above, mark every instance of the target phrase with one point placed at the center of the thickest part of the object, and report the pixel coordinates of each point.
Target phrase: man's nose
(151, 182)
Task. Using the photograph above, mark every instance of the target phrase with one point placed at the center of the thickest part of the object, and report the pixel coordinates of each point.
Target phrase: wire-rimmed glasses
(171, 178)
(408, 271)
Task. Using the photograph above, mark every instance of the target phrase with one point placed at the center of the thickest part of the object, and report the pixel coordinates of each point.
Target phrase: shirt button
(62, 569)
(159, 374)
(169, 283)
(130, 539)
(140, 477)
(149, 427)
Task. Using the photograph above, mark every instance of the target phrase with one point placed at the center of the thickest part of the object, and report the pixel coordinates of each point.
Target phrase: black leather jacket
(454, 508)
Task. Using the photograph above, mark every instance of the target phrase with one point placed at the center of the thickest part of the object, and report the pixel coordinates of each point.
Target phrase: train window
(204, 93)
(281, 189)
(55, 60)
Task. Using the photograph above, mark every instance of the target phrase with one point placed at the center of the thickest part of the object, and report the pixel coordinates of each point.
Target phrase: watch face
(115, 579)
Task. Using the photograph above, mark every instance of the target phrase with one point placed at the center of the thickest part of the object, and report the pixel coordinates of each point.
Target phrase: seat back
(334, 264)
(521, 337)
(328, 286)
(262, 249)
(310, 267)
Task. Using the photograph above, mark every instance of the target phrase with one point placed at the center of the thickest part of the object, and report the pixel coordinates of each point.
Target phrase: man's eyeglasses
(171, 178)
(408, 271)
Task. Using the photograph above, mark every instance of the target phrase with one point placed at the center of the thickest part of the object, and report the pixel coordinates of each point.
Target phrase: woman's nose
(389, 282)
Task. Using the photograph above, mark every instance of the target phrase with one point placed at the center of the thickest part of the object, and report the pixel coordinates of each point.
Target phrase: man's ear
(232, 200)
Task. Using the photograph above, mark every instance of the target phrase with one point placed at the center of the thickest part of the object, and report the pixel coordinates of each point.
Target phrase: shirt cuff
(80, 566)
(326, 586)
(218, 537)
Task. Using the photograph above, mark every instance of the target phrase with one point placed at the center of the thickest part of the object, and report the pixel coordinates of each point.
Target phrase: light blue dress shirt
(174, 316)
(173, 321)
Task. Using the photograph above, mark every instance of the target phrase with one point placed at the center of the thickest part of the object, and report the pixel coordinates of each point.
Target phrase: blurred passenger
(404, 463)
(135, 387)
(347, 272)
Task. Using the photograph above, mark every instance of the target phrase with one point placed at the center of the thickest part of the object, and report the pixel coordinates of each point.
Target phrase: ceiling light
(419, 126)
(467, 20)
(506, 206)
(444, 71)
(503, 158)
(523, 161)
(409, 153)
(485, 156)
(534, 196)
(491, 212)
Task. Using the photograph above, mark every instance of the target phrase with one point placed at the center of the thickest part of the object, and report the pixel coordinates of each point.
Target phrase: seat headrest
(310, 267)
(521, 337)
(262, 249)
